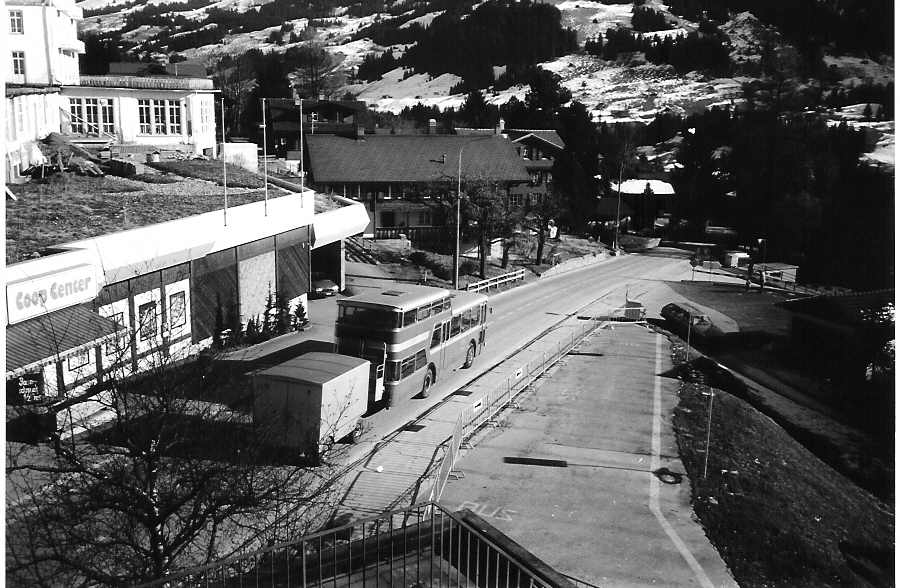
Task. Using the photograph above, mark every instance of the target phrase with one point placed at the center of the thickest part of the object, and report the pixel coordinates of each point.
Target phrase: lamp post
(458, 213)
(265, 162)
(762, 271)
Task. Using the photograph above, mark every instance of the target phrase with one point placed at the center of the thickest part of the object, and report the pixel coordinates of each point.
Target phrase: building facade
(119, 304)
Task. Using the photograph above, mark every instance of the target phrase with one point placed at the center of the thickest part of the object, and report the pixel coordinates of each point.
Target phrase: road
(522, 314)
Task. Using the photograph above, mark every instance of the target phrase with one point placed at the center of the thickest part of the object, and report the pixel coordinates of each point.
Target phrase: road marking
(484, 509)
(655, 483)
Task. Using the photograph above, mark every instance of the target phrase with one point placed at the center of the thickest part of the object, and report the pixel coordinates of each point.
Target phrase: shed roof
(546, 135)
(637, 187)
(314, 368)
(53, 335)
(412, 158)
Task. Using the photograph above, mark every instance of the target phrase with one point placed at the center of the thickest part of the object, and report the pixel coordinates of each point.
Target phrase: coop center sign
(36, 296)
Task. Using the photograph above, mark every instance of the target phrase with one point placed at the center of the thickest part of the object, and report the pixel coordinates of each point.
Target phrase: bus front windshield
(378, 318)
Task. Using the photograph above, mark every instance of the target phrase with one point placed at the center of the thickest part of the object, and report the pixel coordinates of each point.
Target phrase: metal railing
(147, 82)
(496, 281)
(424, 545)
(484, 408)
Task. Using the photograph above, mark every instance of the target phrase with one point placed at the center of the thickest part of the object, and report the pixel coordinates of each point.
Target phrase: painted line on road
(655, 483)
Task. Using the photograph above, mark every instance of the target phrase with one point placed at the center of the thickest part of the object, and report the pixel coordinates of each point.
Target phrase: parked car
(322, 287)
(683, 316)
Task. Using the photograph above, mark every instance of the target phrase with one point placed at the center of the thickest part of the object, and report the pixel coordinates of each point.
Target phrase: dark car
(322, 287)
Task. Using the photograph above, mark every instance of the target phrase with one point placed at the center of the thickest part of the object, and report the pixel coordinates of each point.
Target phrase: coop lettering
(57, 291)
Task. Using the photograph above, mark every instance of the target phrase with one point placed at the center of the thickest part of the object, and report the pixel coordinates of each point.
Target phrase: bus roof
(463, 299)
(399, 296)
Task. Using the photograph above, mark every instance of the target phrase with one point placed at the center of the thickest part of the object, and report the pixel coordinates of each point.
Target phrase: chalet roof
(517, 135)
(412, 158)
(546, 135)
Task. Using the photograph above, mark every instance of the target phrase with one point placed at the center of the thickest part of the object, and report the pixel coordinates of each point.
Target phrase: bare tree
(179, 476)
(540, 212)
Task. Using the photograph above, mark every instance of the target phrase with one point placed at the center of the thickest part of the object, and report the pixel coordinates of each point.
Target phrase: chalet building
(649, 199)
(538, 149)
(399, 178)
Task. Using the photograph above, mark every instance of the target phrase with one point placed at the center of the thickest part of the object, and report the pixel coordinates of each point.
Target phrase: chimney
(432, 126)
(501, 126)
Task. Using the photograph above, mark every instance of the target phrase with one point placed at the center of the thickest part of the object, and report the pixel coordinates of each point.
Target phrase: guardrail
(423, 545)
(485, 407)
(496, 281)
(574, 263)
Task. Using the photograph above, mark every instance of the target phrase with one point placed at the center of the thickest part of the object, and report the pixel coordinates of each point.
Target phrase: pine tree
(282, 314)
(300, 319)
(267, 322)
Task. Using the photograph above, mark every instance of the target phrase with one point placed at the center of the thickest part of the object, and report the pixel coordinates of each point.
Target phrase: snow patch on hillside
(619, 93)
(392, 93)
(589, 19)
(423, 20)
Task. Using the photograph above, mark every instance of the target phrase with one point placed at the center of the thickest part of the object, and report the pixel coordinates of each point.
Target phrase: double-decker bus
(411, 335)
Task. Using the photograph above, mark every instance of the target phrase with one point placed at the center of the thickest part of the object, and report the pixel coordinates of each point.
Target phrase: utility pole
(224, 167)
(265, 162)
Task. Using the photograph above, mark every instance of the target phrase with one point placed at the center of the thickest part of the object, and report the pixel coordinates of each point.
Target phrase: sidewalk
(405, 459)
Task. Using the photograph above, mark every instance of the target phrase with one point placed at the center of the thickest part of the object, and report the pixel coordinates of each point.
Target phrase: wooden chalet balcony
(147, 82)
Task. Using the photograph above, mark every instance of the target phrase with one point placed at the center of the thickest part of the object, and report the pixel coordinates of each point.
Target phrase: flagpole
(224, 168)
(265, 162)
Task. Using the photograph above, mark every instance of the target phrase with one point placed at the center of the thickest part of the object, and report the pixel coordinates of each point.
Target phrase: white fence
(497, 281)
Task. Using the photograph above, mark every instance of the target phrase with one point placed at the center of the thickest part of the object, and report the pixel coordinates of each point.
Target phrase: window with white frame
(18, 63)
(116, 349)
(16, 24)
(91, 116)
(177, 316)
(159, 117)
(516, 200)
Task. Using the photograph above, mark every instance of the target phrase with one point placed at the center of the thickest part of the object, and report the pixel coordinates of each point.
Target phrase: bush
(154, 178)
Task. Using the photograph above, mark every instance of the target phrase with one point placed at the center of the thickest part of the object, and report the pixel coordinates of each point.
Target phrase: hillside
(628, 89)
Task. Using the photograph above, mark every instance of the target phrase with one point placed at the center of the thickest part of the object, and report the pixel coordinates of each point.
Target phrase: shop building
(118, 304)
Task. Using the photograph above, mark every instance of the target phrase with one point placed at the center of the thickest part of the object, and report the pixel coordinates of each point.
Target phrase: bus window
(420, 359)
(409, 317)
(424, 312)
(407, 367)
(447, 303)
(454, 326)
(483, 313)
(436, 336)
(437, 307)
(393, 371)
(446, 330)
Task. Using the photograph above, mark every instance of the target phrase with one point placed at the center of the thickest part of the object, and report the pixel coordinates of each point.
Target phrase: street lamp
(762, 271)
(458, 214)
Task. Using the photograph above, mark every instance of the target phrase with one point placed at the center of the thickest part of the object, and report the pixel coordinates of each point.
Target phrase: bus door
(377, 374)
(438, 343)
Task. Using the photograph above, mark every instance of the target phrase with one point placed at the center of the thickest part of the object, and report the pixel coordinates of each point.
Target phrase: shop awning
(51, 336)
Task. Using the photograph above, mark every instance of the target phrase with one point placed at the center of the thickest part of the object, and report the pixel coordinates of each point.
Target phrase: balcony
(147, 82)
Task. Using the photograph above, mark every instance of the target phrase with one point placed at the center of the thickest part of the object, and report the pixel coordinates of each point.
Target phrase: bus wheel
(427, 382)
(470, 356)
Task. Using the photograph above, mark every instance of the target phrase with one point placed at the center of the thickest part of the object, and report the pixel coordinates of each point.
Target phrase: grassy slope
(786, 518)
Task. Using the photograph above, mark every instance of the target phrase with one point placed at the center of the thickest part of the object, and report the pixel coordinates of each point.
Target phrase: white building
(45, 93)
(165, 112)
(42, 50)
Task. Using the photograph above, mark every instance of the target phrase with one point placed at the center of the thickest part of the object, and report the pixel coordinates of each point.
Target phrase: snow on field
(855, 70)
(423, 20)
(590, 19)
(353, 53)
(392, 93)
(666, 34)
(618, 93)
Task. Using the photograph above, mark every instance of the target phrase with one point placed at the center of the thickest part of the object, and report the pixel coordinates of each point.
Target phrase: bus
(411, 335)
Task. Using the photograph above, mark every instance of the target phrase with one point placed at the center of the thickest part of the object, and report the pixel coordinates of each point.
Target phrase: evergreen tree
(299, 319)
(268, 319)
